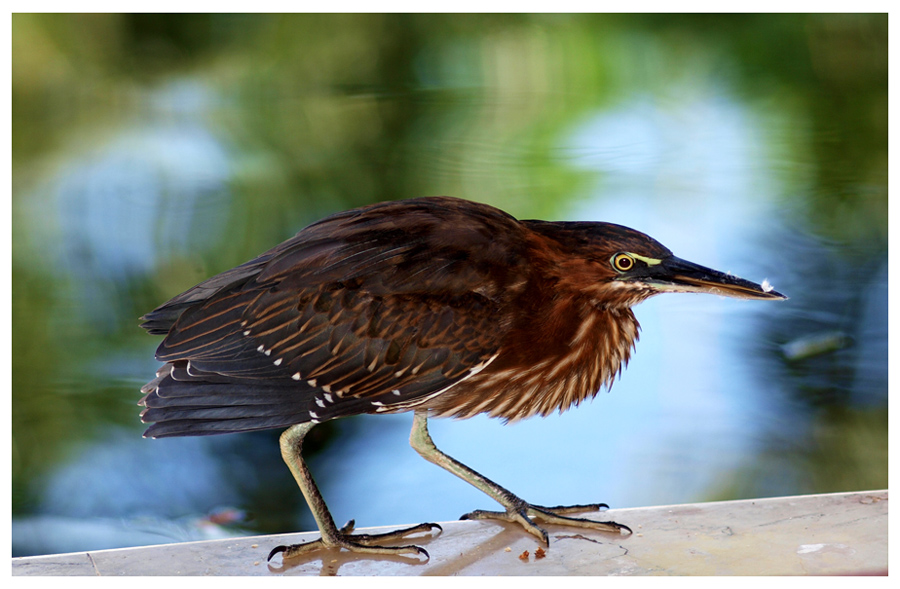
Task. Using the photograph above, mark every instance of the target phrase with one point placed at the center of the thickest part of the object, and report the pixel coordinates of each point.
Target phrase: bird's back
(376, 309)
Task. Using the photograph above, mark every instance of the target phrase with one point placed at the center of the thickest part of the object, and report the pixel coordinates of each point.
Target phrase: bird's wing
(353, 316)
(344, 341)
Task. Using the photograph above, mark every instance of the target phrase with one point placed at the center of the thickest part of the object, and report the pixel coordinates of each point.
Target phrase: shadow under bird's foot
(359, 543)
(525, 514)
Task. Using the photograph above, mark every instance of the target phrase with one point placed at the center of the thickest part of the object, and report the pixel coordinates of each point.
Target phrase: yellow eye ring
(622, 262)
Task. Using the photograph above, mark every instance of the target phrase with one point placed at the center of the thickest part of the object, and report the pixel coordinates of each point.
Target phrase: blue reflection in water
(155, 190)
(127, 491)
(135, 473)
(870, 386)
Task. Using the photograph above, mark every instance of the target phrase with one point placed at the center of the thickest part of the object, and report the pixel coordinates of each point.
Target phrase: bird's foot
(359, 543)
(525, 514)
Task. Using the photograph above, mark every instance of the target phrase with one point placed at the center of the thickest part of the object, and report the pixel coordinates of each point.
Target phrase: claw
(620, 526)
(348, 527)
(276, 550)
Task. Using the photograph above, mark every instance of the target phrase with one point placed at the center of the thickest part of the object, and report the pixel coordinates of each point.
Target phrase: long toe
(553, 516)
(375, 539)
(567, 509)
(296, 550)
(527, 514)
(512, 516)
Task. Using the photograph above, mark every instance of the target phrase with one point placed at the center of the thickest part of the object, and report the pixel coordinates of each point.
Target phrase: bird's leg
(517, 510)
(332, 537)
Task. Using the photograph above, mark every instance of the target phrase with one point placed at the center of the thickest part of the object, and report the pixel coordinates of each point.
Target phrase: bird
(437, 306)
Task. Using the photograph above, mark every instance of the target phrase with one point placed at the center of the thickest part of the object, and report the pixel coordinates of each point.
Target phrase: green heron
(439, 306)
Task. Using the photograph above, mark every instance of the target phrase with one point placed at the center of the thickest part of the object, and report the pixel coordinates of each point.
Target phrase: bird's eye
(622, 262)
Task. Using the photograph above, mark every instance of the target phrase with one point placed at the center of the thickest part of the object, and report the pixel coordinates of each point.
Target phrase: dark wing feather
(355, 314)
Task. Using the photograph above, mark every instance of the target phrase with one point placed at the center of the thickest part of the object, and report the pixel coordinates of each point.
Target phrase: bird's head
(618, 266)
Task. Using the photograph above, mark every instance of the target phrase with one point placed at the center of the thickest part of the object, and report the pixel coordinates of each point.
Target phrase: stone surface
(843, 533)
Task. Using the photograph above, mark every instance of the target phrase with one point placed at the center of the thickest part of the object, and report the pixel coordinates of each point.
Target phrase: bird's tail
(178, 403)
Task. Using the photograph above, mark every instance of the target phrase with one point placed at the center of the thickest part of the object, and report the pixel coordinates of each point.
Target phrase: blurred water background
(153, 151)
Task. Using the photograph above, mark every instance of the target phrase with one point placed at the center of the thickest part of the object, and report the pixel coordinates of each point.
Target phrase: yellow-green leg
(332, 537)
(517, 510)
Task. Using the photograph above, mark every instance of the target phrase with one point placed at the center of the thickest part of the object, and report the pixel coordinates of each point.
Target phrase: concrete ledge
(834, 534)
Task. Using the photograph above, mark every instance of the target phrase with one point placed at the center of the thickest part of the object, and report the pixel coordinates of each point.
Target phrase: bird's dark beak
(676, 275)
